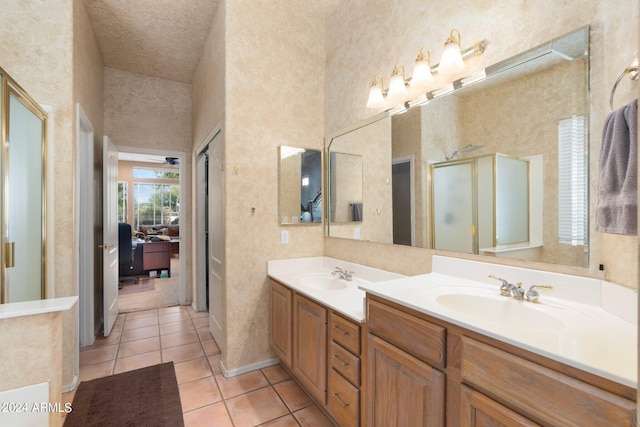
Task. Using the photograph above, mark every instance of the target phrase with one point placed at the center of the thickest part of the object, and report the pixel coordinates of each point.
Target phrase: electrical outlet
(284, 237)
(356, 233)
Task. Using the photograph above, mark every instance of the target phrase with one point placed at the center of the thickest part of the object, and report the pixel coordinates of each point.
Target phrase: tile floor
(265, 397)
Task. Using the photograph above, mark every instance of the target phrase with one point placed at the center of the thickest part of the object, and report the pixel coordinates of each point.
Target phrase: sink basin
(504, 311)
(321, 281)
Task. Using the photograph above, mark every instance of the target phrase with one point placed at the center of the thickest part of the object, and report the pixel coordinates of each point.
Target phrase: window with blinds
(572, 181)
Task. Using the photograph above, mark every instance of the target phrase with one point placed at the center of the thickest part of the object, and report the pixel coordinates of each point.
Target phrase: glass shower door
(23, 200)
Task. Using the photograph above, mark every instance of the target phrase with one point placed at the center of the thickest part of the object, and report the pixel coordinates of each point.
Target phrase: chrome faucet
(532, 293)
(343, 274)
(509, 289)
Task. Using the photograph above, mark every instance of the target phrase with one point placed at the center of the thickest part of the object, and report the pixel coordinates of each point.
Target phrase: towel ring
(632, 72)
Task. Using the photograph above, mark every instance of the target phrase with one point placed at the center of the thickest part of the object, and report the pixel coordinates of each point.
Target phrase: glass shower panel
(453, 214)
(512, 200)
(24, 202)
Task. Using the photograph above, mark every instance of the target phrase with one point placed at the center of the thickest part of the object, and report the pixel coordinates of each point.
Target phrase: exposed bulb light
(422, 77)
(376, 97)
(397, 88)
(451, 61)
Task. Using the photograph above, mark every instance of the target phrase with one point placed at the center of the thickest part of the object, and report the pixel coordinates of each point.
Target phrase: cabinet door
(281, 300)
(477, 410)
(310, 346)
(401, 389)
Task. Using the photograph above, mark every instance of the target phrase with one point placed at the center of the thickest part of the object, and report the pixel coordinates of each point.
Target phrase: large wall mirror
(450, 164)
(300, 186)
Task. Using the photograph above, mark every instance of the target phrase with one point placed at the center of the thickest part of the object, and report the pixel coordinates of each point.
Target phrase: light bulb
(451, 61)
(397, 88)
(421, 77)
(376, 98)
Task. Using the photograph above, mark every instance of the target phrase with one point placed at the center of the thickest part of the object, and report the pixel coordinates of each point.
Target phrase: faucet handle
(505, 288)
(532, 293)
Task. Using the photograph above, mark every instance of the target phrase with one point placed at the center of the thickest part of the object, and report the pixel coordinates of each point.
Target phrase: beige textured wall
(37, 50)
(147, 112)
(379, 33)
(274, 95)
(88, 91)
(34, 355)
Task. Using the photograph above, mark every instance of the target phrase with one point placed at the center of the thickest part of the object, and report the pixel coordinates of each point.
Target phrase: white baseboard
(71, 386)
(228, 373)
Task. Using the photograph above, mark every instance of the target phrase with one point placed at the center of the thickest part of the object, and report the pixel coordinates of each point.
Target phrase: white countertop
(349, 301)
(28, 308)
(591, 338)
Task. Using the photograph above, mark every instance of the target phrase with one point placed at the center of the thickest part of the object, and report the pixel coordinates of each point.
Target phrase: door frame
(85, 227)
(185, 237)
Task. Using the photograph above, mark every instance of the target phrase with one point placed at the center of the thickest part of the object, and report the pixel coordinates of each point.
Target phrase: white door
(216, 236)
(110, 233)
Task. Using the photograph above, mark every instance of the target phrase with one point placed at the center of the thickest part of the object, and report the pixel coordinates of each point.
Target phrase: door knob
(107, 246)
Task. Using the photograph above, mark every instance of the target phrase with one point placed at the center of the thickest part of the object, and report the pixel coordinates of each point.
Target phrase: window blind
(572, 181)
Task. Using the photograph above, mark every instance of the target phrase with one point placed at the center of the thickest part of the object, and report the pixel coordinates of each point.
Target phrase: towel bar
(632, 72)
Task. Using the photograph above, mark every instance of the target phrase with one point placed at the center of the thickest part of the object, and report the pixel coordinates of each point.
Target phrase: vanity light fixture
(422, 77)
(451, 61)
(376, 96)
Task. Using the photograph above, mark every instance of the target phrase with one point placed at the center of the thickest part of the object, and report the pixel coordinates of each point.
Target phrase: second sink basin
(504, 311)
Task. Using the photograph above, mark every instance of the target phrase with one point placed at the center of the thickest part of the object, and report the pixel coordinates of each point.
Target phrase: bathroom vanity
(446, 348)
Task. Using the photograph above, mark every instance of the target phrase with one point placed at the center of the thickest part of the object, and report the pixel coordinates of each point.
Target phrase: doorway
(151, 187)
(403, 203)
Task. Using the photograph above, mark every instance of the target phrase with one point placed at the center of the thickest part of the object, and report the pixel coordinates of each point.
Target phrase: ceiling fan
(169, 161)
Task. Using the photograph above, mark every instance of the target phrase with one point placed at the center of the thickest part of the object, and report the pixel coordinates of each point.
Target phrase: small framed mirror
(300, 186)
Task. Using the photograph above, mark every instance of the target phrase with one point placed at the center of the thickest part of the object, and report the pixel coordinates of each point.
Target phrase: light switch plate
(284, 237)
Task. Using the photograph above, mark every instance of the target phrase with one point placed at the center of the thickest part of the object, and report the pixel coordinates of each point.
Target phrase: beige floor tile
(173, 317)
(182, 352)
(139, 333)
(199, 393)
(172, 309)
(180, 338)
(210, 347)
(276, 374)
(212, 415)
(286, 421)
(244, 383)
(256, 407)
(199, 314)
(204, 334)
(201, 322)
(293, 396)
(214, 362)
(192, 370)
(140, 322)
(131, 348)
(102, 341)
(100, 354)
(312, 416)
(136, 362)
(97, 370)
(142, 313)
(175, 327)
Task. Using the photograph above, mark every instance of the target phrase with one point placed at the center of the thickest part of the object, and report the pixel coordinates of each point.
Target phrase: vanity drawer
(344, 332)
(344, 400)
(418, 337)
(549, 397)
(345, 363)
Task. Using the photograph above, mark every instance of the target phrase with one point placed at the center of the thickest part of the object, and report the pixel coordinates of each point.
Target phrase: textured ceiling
(160, 38)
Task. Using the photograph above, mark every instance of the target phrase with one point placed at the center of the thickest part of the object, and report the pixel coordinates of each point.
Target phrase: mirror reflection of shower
(466, 149)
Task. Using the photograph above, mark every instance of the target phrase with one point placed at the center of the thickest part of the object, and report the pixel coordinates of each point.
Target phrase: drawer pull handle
(340, 330)
(337, 397)
(338, 359)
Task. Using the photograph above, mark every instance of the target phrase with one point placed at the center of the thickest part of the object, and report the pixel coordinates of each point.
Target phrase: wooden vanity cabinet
(281, 322)
(310, 346)
(447, 375)
(321, 349)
